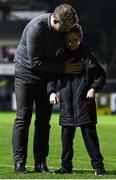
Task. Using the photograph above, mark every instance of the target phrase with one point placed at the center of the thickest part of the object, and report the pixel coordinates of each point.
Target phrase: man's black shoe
(100, 171)
(42, 168)
(20, 169)
(62, 170)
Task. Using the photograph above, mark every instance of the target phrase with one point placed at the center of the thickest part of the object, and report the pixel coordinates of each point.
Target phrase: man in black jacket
(34, 61)
(77, 101)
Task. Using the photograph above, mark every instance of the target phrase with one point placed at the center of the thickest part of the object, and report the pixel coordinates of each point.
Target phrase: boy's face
(73, 40)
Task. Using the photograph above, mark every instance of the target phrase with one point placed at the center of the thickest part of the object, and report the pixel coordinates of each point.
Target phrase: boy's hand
(91, 94)
(54, 99)
(73, 68)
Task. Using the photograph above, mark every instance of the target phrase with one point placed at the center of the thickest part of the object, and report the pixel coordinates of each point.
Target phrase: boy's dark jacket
(75, 108)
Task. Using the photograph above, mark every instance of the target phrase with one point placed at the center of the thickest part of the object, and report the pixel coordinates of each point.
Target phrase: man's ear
(55, 21)
(79, 41)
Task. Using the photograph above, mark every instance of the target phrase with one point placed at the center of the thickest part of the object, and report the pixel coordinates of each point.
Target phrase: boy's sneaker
(100, 171)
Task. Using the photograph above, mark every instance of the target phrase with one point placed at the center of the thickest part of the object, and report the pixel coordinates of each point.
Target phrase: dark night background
(97, 18)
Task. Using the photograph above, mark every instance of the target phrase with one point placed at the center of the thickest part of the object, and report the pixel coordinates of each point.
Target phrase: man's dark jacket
(75, 108)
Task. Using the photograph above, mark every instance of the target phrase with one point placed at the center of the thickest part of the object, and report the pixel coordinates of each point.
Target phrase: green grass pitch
(106, 128)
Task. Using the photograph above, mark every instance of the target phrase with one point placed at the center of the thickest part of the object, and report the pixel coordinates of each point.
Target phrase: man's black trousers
(90, 138)
(26, 94)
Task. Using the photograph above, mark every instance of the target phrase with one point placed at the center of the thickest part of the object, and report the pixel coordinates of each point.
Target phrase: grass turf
(82, 168)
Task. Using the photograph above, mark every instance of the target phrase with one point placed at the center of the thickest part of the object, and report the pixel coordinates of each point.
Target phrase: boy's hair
(65, 12)
(77, 29)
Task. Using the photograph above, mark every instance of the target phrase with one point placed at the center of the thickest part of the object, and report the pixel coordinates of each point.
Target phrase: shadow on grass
(30, 172)
(109, 172)
(33, 172)
(83, 171)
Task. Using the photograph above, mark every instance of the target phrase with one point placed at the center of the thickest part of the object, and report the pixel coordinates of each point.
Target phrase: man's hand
(54, 99)
(91, 94)
(73, 68)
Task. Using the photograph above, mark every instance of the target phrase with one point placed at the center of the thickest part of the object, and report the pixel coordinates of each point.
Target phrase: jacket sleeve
(35, 46)
(51, 87)
(53, 84)
(99, 74)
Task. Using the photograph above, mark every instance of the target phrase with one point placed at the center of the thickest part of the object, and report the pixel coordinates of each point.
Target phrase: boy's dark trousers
(90, 138)
(26, 94)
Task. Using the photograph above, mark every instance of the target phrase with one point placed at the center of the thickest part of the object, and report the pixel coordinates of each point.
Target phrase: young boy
(77, 101)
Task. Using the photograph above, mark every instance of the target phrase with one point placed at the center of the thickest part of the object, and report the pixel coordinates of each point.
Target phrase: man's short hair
(66, 13)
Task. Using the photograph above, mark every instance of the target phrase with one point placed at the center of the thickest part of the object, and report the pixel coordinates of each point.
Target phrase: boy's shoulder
(87, 51)
(85, 48)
